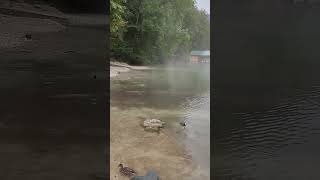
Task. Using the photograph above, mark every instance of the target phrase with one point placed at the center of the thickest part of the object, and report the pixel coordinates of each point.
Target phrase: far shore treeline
(157, 31)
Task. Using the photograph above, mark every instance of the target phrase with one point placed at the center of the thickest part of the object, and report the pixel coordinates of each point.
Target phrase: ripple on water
(197, 116)
(271, 139)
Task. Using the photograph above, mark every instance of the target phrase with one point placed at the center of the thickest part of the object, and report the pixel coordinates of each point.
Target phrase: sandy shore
(119, 67)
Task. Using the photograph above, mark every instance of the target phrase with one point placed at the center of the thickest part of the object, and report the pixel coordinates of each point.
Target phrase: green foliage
(117, 22)
(155, 31)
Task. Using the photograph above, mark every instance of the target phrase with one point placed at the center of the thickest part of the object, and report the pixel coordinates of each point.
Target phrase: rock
(153, 123)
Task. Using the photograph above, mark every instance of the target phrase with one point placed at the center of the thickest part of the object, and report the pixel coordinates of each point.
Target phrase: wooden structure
(200, 57)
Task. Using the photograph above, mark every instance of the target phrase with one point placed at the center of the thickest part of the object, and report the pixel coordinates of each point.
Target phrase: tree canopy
(156, 31)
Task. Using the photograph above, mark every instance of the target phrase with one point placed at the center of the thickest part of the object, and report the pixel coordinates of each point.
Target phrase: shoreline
(117, 67)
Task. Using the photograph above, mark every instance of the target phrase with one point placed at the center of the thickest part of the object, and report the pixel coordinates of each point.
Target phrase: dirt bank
(116, 70)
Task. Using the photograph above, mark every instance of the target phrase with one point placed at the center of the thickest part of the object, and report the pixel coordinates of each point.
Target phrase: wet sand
(117, 67)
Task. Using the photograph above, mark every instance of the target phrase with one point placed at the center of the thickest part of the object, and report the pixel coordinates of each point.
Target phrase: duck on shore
(126, 171)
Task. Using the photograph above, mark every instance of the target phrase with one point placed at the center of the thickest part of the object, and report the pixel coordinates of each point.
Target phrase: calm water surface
(185, 90)
(274, 141)
(266, 93)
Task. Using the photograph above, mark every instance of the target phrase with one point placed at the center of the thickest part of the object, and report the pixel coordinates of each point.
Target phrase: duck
(126, 171)
(184, 124)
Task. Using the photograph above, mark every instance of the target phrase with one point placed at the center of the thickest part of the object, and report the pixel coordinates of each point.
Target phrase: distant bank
(117, 67)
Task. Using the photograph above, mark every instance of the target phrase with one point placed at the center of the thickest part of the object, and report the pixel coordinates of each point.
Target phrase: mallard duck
(126, 171)
(184, 124)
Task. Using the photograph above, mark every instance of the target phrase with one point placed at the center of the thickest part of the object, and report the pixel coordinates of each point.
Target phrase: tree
(117, 22)
(158, 30)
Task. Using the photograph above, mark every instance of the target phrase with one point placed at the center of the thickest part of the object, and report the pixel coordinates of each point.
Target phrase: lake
(174, 95)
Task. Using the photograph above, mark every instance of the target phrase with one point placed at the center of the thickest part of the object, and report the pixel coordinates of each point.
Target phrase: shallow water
(174, 95)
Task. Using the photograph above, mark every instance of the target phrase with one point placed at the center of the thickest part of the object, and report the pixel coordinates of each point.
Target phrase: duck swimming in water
(184, 124)
(126, 171)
